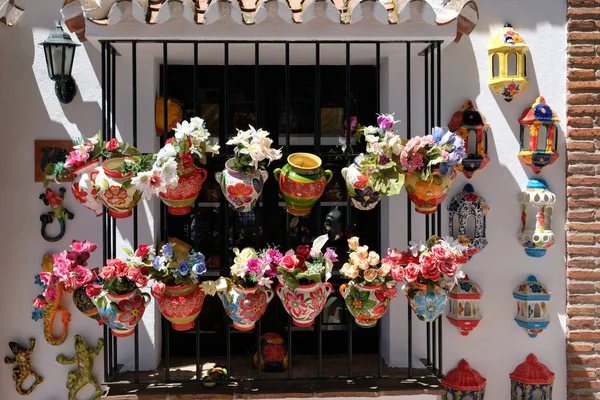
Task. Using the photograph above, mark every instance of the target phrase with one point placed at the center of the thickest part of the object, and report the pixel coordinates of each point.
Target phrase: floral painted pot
(302, 181)
(360, 188)
(305, 302)
(274, 354)
(181, 305)
(85, 304)
(241, 190)
(180, 198)
(427, 301)
(367, 303)
(83, 187)
(427, 195)
(246, 306)
(122, 312)
(115, 190)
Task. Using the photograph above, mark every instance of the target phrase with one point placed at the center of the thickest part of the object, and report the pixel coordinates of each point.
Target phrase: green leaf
(349, 300)
(368, 304)
(310, 277)
(127, 251)
(364, 296)
(105, 184)
(354, 292)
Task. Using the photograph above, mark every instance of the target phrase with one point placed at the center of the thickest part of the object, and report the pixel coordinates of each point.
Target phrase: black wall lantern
(60, 52)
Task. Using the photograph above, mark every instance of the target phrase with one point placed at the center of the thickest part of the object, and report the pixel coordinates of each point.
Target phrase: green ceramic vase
(302, 182)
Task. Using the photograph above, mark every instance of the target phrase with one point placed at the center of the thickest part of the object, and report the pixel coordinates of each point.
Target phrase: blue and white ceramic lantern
(537, 204)
(532, 306)
(467, 219)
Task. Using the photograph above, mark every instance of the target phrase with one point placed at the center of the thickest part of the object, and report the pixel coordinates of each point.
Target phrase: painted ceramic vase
(427, 195)
(85, 304)
(180, 198)
(274, 354)
(181, 305)
(305, 302)
(83, 187)
(367, 303)
(241, 190)
(245, 306)
(427, 301)
(122, 312)
(360, 188)
(115, 190)
(302, 181)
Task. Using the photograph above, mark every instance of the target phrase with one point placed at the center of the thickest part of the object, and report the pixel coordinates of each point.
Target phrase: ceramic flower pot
(427, 195)
(367, 303)
(360, 188)
(83, 187)
(427, 301)
(302, 181)
(115, 190)
(181, 305)
(245, 306)
(305, 302)
(85, 304)
(122, 312)
(241, 190)
(180, 198)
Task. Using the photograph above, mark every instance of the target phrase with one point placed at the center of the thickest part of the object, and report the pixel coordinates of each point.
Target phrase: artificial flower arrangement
(246, 293)
(85, 152)
(303, 277)
(376, 173)
(176, 288)
(428, 163)
(121, 303)
(430, 270)
(371, 287)
(245, 174)
(173, 174)
(63, 272)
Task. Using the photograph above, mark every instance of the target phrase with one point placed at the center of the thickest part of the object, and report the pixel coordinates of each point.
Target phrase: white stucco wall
(29, 110)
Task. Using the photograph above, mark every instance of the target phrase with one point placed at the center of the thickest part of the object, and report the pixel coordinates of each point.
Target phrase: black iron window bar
(432, 117)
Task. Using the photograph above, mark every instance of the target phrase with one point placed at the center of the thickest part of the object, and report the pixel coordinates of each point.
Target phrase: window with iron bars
(306, 107)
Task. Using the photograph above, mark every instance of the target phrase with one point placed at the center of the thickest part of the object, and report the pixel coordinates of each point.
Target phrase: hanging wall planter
(472, 127)
(532, 306)
(360, 188)
(367, 303)
(302, 181)
(180, 198)
(181, 305)
(427, 300)
(304, 303)
(245, 306)
(242, 191)
(464, 305)
(468, 205)
(531, 380)
(122, 312)
(114, 189)
(428, 194)
(83, 187)
(508, 63)
(536, 236)
(463, 383)
(541, 124)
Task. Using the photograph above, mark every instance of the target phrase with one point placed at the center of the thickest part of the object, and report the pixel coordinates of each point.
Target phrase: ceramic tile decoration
(531, 380)
(472, 127)
(541, 123)
(508, 63)
(464, 305)
(464, 383)
(532, 306)
(536, 198)
(468, 205)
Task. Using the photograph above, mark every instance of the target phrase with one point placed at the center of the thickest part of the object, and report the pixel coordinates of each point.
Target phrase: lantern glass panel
(468, 309)
(472, 139)
(512, 64)
(57, 60)
(525, 130)
(537, 394)
(537, 311)
(69, 56)
(495, 66)
(542, 138)
(49, 65)
(524, 64)
(471, 226)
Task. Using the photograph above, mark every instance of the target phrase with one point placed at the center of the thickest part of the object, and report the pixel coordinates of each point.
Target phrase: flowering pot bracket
(23, 369)
(84, 359)
(55, 201)
(50, 313)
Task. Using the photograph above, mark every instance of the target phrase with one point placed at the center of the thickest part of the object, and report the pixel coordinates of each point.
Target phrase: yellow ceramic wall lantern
(508, 63)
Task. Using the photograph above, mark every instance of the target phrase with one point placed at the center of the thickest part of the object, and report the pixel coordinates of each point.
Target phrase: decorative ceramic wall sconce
(508, 63)
(472, 127)
(541, 124)
(464, 305)
(536, 198)
(23, 369)
(84, 359)
(463, 383)
(532, 306)
(465, 206)
(531, 380)
(55, 201)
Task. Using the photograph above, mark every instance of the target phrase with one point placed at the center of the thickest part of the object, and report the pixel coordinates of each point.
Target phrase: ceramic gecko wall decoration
(23, 369)
(84, 359)
(55, 201)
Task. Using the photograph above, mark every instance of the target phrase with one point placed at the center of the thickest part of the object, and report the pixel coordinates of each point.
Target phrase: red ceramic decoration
(181, 305)
(532, 372)
(541, 148)
(464, 378)
(471, 125)
(180, 198)
(464, 305)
